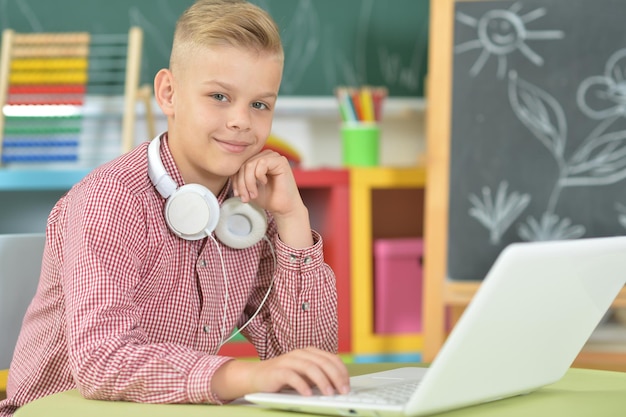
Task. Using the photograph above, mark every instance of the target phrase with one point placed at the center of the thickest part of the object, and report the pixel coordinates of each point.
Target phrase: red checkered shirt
(126, 310)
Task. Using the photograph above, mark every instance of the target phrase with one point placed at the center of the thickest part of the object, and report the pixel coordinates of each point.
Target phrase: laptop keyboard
(394, 394)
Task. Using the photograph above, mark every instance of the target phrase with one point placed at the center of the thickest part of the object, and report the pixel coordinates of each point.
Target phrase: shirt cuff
(303, 259)
(200, 377)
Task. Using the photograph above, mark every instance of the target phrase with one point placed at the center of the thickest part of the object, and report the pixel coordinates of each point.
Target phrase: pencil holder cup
(360, 144)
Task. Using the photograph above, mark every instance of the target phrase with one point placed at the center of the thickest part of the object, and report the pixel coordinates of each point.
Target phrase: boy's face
(222, 105)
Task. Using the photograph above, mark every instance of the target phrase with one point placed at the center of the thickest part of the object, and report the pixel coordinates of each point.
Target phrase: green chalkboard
(327, 42)
(538, 132)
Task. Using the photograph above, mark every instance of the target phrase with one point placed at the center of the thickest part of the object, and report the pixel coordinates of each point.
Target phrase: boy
(127, 309)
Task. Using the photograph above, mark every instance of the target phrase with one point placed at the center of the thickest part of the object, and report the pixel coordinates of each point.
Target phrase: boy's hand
(267, 180)
(299, 369)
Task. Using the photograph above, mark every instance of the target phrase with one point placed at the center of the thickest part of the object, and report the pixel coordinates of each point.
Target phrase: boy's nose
(239, 118)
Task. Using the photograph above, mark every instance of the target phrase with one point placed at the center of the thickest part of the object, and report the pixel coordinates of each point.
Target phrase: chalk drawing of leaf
(301, 38)
(599, 161)
(622, 220)
(497, 215)
(621, 217)
(28, 13)
(540, 113)
(550, 227)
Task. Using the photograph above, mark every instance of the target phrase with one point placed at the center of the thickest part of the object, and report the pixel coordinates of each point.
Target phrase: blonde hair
(235, 23)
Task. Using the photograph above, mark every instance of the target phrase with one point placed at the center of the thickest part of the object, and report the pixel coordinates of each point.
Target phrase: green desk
(581, 393)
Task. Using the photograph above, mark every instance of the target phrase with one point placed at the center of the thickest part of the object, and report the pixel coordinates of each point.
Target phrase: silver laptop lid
(531, 316)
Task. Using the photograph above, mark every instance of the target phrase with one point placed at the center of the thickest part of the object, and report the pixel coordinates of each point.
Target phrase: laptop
(528, 321)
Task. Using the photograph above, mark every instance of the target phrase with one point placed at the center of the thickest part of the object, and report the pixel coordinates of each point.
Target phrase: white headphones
(192, 211)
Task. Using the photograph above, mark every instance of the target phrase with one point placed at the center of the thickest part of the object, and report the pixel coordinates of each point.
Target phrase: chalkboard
(538, 130)
(327, 42)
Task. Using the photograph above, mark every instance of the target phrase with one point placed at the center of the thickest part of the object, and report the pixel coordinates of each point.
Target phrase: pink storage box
(398, 285)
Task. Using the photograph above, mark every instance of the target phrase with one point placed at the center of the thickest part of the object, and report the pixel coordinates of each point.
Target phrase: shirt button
(305, 306)
(203, 263)
(293, 258)
(307, 260)
(206, 328)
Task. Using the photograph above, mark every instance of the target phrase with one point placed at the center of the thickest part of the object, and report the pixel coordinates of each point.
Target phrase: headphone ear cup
(192, 212)
(241, 225)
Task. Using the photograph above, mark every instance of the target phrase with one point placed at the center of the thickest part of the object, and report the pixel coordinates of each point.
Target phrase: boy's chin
(227, 171)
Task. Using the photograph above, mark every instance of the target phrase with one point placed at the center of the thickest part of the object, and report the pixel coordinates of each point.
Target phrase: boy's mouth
(232, 146)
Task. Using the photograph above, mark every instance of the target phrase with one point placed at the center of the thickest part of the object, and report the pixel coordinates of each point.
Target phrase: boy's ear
(164, 91)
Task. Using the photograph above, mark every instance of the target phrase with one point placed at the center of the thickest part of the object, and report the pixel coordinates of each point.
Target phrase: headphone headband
(164, 184)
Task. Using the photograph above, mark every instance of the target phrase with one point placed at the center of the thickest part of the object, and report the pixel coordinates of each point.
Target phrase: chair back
(20, 267)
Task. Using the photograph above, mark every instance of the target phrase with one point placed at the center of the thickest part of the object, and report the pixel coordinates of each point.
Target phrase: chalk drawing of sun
(501, 32)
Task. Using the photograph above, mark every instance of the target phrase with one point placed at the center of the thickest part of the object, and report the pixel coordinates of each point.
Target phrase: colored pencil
(361, 104)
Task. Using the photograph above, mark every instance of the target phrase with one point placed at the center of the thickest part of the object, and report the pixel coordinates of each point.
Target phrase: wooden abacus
(51, 69)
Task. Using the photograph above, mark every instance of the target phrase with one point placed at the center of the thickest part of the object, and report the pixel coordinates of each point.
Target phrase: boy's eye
(259, 105)
(219, 97)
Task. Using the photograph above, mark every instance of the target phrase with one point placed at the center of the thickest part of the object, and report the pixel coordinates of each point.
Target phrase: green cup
(360, 144)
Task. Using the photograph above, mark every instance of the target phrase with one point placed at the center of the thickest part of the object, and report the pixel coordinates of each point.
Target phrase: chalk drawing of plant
(301, 37)
(550, 227)
(604, 96)
(602, 157)
(498, 214)
(28, 12)
(540, 113)
(599, 160)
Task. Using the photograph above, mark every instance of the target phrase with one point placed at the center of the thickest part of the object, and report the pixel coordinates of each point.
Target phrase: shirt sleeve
(100, 261)
(301, 310)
